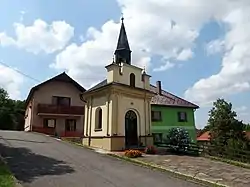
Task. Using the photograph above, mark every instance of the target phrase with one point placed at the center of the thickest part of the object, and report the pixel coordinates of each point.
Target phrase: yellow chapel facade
(118, 109)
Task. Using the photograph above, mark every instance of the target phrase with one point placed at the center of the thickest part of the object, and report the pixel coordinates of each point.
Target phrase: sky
(198, 49)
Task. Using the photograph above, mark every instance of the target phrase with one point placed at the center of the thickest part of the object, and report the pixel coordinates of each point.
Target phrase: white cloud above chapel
(39, 37)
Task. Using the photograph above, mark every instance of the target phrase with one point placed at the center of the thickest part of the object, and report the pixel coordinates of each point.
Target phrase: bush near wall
(150, 150)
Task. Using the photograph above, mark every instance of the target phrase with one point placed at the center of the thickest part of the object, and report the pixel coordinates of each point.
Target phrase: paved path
(203, 168)
(39, 161)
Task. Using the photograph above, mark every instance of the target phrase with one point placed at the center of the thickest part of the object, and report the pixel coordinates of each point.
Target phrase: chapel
(118, 110)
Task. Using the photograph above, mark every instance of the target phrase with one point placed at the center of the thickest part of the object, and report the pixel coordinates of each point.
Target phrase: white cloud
(185, 54)
(234, 76)
(39, 37)
(164, 67)
(11, 81)
(215, 46)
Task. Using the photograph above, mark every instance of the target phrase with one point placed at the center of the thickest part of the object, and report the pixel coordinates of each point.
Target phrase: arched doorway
(131, 135)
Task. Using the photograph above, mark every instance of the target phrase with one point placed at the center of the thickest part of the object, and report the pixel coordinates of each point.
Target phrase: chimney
(158, 87)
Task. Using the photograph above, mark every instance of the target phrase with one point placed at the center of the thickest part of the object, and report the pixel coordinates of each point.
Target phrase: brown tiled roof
(169, 99)
(165, 99)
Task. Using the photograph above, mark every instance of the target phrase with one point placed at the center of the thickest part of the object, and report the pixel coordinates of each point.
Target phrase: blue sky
(201, 57)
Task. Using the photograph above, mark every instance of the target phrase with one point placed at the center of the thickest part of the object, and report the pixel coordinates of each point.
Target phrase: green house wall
(170, 120)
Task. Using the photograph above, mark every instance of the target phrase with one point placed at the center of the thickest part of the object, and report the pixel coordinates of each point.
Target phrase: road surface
(38, 161)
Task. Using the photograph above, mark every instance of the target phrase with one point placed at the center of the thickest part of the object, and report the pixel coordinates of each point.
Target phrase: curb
(76, 144)
(171, 172)
(231, 162)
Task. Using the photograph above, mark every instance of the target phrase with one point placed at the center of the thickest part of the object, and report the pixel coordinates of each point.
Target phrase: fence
(226, 152)
(211, 150)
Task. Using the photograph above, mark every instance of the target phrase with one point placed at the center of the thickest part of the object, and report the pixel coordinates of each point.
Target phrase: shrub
(178, 139)
(150, 150)
(133, 153)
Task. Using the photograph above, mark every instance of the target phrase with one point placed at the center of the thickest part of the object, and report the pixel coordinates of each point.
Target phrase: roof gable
(63, 77)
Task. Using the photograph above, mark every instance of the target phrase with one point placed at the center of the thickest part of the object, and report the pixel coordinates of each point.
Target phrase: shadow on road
(27, 166)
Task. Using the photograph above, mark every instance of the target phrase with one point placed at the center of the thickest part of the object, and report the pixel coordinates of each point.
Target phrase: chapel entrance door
(131, 135)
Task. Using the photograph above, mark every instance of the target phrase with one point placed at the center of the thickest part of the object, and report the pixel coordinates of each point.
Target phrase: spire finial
(144, 69)
(122, 18)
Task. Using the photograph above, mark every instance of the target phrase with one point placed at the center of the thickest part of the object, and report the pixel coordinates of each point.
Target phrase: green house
(170, 111)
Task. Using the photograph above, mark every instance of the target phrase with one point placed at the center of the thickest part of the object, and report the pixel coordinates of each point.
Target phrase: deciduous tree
(225, 129)
(11, 112)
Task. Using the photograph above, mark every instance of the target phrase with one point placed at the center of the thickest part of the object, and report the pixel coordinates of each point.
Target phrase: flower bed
(133, 153)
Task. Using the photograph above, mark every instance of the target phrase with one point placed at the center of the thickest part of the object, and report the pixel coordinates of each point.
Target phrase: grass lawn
(6, 178)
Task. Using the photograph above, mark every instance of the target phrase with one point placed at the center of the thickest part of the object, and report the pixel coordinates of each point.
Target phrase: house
(54, 107)
(117, 110)
(206, 136)
(170, 111)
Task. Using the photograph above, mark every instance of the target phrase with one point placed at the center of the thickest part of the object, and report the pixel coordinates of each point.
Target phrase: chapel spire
(122, 52)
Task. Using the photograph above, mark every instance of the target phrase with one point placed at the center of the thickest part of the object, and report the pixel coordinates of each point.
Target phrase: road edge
(171, 172)
(17, 183)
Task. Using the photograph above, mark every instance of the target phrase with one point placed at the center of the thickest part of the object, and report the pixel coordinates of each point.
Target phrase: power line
(6, 65)
(34, 79)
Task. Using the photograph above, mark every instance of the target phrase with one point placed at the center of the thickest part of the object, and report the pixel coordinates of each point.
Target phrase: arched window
(132, 80)
(98, 122)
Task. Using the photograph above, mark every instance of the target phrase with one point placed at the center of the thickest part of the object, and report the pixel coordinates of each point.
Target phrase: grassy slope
(6, 178)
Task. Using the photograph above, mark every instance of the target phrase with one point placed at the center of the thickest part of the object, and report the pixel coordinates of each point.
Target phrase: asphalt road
(38, 161)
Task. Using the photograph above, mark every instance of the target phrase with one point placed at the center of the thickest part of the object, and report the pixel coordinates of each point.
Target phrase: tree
(225, 129)
(11, 112)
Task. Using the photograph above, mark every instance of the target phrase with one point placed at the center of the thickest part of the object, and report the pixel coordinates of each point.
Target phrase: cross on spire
(122, 18)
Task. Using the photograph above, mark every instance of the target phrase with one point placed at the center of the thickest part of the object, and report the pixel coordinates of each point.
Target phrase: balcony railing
(56, 109)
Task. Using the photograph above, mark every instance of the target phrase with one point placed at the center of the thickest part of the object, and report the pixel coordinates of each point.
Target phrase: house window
(156, 116)
(62, 101)
(70, 125)
(98, 125)
(157, 138)
(49, 123)
(182, 116)
(132, 80)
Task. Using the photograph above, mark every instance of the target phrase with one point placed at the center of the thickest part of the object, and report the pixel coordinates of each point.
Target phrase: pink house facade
(54, 107)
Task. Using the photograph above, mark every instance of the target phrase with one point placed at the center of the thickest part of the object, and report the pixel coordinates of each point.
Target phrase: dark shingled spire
(123, 52)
